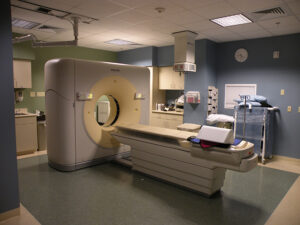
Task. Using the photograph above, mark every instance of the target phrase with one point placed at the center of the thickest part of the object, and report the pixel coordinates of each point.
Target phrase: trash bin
(42, 137)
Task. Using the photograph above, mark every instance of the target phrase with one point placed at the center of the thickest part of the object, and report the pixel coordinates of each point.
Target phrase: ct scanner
(76, 140)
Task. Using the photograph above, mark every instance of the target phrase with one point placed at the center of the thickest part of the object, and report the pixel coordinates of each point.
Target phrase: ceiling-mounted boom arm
(36, 43)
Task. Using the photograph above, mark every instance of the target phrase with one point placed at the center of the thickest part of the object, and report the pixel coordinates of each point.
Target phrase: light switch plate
(275, 54)
(32, 94)
(40, 94)
(299, 109)
(282, 92)
(289, 108)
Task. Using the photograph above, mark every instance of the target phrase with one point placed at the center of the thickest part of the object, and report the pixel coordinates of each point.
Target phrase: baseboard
(279, 157)
(9, 214)
(25, 152)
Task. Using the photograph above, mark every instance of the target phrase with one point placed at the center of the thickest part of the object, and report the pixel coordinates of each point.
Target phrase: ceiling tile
(254, 5)
(285, 30)
(58, 4)
(63, 36)
(280, 22)
(221, 34)
(60, 23)
(202, 26)
(98, 8)
(192, 4)
(28, 15)
(138, 21)
(158, 25)
(249, 27)
(169, 7)
(256, 34)
(133, 3)
(132, 17)
(93, 28)
(295, 6)
(216, 10)
(182, 17)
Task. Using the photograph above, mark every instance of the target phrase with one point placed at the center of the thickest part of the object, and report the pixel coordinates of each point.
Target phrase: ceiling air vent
(49, 29)
(43, 10)
(276, 10)
(272, 13)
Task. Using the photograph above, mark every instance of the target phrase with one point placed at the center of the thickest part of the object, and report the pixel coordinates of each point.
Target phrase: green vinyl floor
(110, 194)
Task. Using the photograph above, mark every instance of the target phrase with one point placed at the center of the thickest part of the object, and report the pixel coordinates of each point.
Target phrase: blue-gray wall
(216, 66)
(270, 75)
(139, 57)
(9, 193)
(165, 56)
(205, 76)
(205, 59)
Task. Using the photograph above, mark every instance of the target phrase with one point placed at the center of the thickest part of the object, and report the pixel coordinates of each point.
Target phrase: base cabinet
(26, 134)
(166, 120)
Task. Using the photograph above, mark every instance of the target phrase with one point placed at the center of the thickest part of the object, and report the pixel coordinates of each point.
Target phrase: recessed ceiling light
(231, 20)
(23, 23)
(121, 42)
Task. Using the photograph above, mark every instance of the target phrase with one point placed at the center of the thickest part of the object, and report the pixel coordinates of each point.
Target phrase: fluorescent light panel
(231, 20)
(23, 23)
(120, 42)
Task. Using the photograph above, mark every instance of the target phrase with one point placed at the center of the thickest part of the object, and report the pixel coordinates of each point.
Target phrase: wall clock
(241, 55)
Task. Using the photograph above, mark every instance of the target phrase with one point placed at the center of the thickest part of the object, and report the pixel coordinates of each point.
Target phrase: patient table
(166, 154)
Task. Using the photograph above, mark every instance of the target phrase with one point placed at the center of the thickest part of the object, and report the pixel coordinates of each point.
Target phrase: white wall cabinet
(22, 74)
(169, 79)
(166, 120)
(156, 95)
(26, 134)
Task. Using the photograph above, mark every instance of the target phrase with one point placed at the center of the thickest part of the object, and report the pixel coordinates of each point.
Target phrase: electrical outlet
(40, 94)
(289, 108)
(282, 92)
(298, 109)
(32, 94)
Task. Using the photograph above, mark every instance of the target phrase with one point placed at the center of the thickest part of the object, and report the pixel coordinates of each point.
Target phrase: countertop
(25, 115)
(168, 112)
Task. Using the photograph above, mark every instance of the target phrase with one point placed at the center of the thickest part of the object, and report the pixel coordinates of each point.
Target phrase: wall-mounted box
(192, 97)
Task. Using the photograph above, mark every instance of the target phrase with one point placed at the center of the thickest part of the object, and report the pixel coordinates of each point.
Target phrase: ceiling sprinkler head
(160, 9)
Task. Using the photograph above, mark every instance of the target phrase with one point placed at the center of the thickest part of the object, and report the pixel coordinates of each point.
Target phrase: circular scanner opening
(106, 110)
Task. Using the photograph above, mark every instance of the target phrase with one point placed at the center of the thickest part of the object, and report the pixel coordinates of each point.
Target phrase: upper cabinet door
(169, 79)
(178, 80)
(22, 74)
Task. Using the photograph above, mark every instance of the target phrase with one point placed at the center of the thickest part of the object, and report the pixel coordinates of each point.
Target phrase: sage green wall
(39, 56)
(23, 51)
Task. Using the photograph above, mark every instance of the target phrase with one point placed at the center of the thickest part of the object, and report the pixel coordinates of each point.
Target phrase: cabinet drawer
(175, 117)
(156, 115)
(25, 120)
